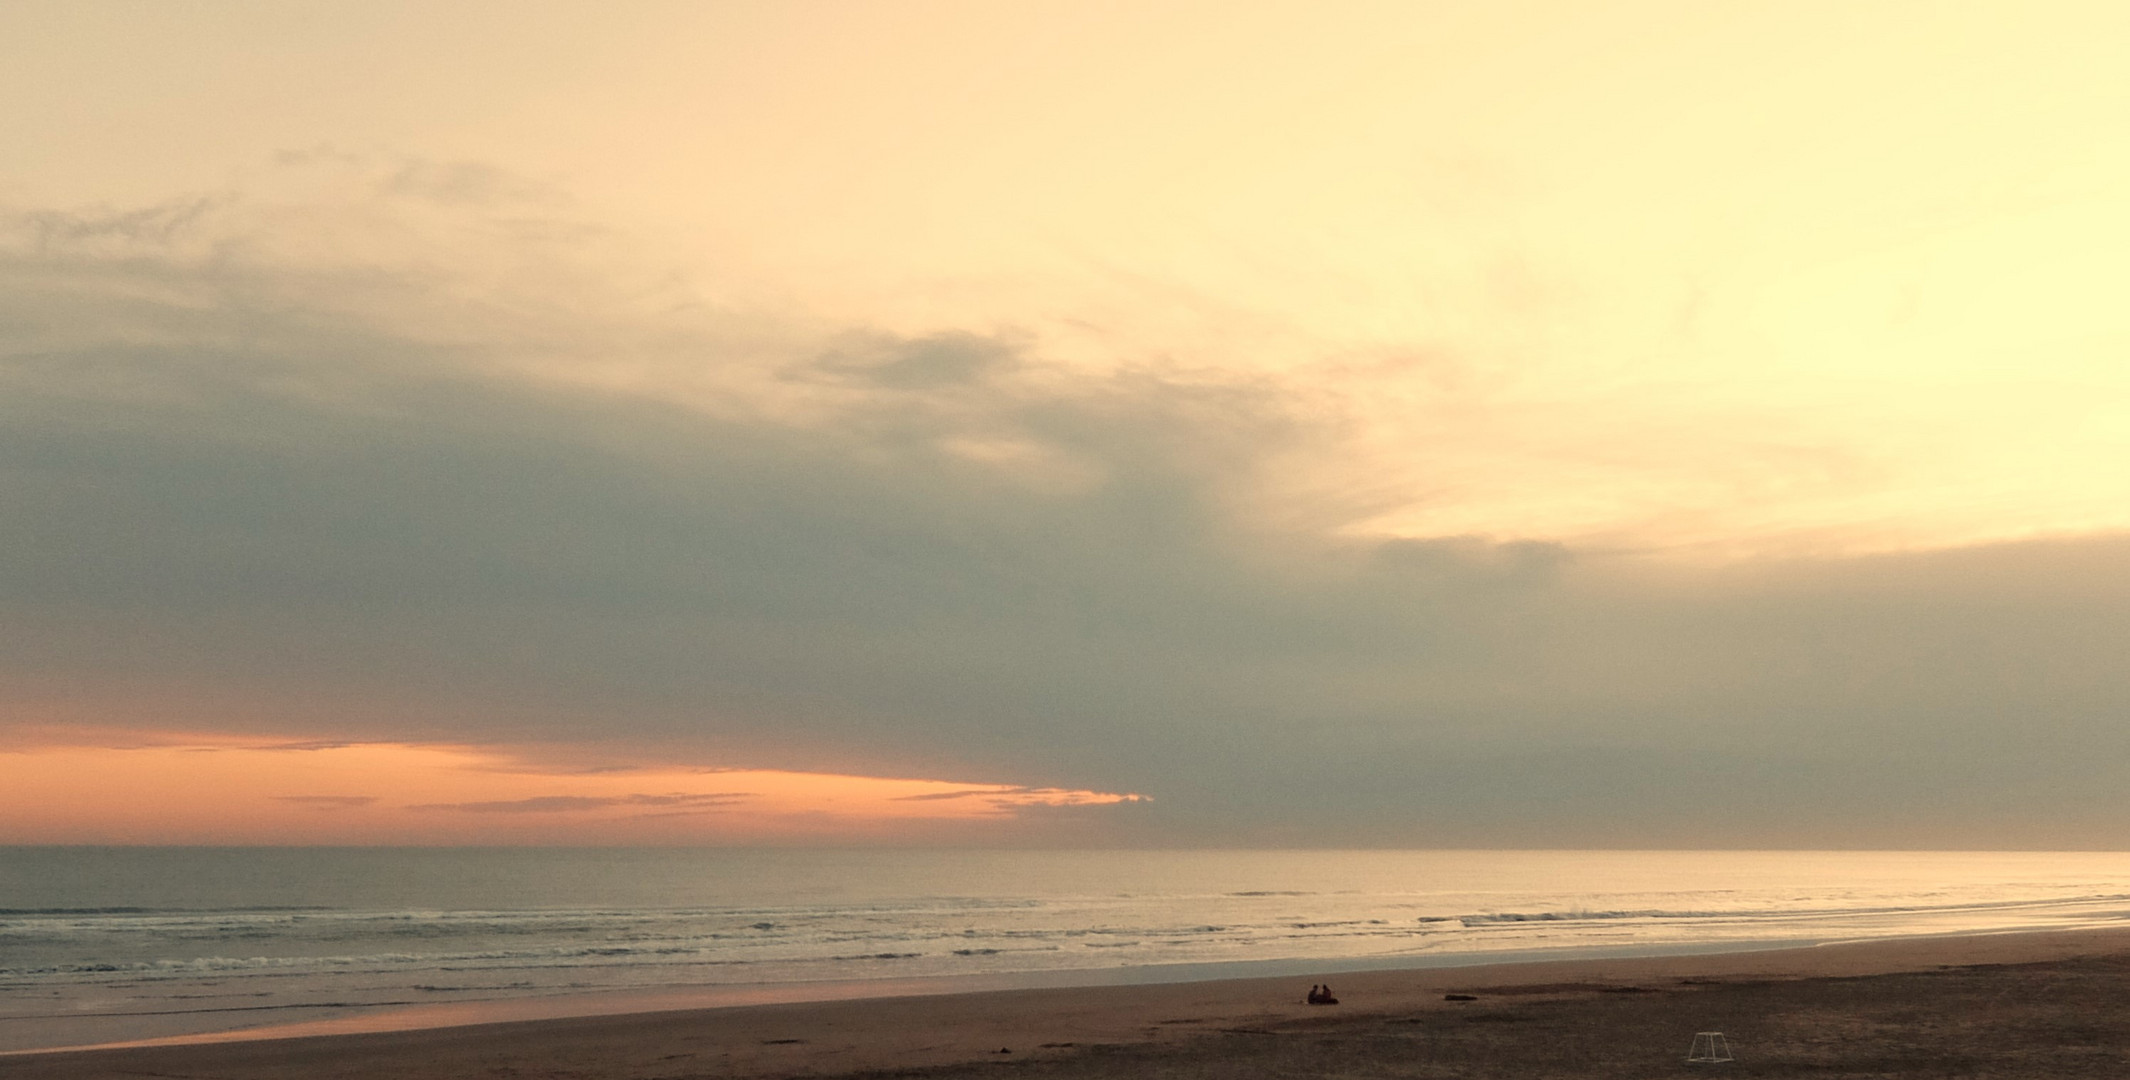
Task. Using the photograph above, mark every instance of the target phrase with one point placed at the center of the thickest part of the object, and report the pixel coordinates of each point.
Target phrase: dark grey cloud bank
(234, 501)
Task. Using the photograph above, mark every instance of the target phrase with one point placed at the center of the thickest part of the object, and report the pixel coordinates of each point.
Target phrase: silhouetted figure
(1316, 994)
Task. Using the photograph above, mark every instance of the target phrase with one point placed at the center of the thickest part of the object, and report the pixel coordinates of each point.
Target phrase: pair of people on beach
(1321, 995)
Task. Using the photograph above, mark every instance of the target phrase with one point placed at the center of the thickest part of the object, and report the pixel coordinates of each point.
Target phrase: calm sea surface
(103, 944)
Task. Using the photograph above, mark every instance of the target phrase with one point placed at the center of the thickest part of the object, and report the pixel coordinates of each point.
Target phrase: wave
(561, 939)
(1762, 914)
(49, 912)
(46, 949)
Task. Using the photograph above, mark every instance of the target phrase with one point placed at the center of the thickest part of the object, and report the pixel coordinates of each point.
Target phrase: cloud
(924, 363)
(328, 802)
(550, 804)
(259, 480)
(963, 794)
(1020, 798)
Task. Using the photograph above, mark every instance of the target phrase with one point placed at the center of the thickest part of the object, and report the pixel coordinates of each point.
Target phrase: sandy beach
(1998, 1005)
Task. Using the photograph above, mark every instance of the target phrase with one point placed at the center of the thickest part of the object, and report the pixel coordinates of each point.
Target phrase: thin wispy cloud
(328, 802)
(551, 804)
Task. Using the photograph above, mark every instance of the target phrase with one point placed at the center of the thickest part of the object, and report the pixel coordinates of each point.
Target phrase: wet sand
(2013, 1005)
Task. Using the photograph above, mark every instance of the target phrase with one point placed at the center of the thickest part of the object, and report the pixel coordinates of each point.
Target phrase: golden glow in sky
(163, 789)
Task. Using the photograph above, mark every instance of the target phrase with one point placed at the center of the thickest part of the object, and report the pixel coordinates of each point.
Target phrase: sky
(1407, 424)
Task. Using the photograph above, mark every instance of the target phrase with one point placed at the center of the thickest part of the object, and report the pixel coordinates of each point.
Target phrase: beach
(101, 947)
(2025, 1004)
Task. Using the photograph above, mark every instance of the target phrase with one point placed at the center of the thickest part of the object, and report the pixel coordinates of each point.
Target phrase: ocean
(102, 945)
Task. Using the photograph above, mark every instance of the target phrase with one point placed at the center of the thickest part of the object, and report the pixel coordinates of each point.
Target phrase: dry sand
(2015, 1005)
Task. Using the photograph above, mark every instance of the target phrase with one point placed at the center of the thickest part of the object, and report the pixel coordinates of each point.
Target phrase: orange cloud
(224, 789)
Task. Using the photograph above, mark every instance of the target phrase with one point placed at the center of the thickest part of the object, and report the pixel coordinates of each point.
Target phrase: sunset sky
(1426, 424)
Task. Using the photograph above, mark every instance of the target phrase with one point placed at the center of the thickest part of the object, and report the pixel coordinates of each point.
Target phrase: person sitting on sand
(1324, 997)
(1316, 994)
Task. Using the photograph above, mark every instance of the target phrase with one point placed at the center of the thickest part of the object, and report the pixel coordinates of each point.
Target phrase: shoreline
(958, 1027)
(390, 1017)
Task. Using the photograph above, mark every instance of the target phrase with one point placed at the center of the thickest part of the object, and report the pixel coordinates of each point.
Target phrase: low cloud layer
(328, 802)
(562, 804)
(256, 489)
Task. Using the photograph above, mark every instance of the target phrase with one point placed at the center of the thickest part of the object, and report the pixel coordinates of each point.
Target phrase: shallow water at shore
(104, 945)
